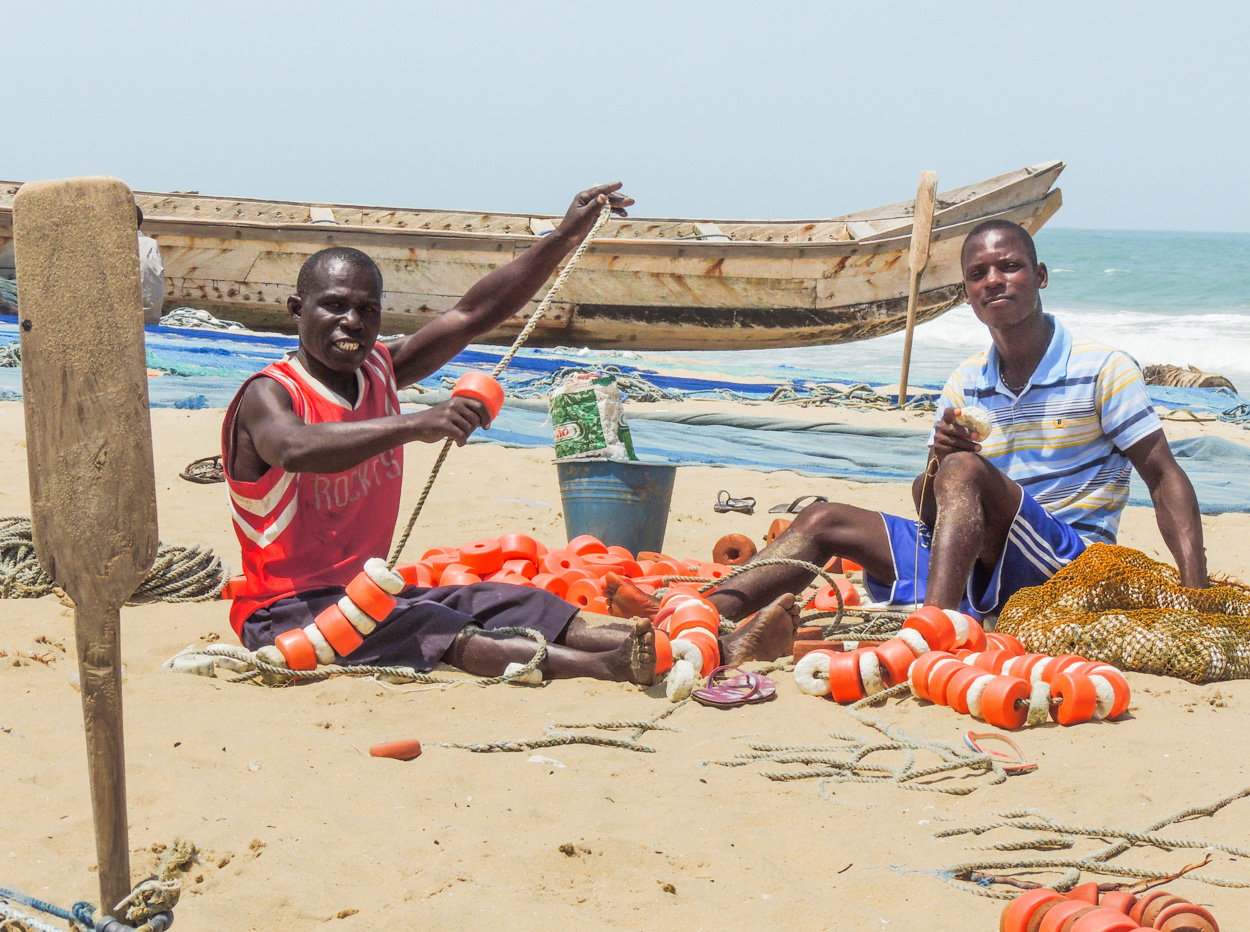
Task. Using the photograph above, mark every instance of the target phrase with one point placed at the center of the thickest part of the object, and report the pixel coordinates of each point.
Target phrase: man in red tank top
(313, 453)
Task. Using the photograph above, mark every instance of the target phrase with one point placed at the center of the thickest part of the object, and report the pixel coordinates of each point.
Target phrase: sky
(707, 110)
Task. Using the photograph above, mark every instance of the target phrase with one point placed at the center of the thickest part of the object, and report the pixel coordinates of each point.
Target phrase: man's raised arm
(1176, 506)
(501, 293)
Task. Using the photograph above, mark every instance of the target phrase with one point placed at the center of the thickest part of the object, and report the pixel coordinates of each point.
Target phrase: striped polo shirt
(1063, 437)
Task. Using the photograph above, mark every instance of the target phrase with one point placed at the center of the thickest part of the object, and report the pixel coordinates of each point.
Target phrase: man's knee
(962, 470)
(827, 522)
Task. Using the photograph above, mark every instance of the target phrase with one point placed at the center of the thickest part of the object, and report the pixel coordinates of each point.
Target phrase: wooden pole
(917, 259)
(89, 451)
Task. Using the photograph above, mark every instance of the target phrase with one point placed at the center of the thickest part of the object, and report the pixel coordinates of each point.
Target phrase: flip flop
(1012, 764)
(797, 505)
(735, 691)
(725, 503)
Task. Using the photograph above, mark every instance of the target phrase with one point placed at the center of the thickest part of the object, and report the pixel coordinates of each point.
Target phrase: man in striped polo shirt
(1070, 418)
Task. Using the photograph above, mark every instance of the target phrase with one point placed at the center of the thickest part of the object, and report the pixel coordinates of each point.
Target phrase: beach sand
(297, 826)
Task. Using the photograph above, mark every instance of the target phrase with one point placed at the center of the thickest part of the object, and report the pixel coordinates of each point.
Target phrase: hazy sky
(720, 110)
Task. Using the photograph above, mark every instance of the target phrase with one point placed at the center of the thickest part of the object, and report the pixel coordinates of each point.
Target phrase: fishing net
(1117, 605)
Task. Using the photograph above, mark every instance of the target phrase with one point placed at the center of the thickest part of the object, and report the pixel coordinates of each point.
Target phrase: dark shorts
(1038, 546)
(425, 621)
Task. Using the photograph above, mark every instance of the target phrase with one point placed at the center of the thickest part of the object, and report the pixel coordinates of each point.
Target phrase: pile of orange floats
(575, 573)
(948, 659)
(1084, 909)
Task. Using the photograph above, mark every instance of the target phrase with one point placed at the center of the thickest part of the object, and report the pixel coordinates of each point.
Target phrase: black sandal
(724, 504)
(797, 505)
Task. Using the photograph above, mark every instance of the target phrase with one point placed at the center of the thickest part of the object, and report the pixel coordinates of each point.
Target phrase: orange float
(520, 567)
(438, 563)
(895, 658)
(369, 597)
(600, 564)
(1119, 899)
(556, 585)
(416, 574)
(932, 624)
(297, 649)
(558, 561)
(1088, 892)
(336, 629)
(991, 661)
(1185, 917)
(977, 638)
(708, 647)
(618, 551)
(459, 575)
(232, 587)
(667, 568)
(518, 547)
(1007, 642)
(481, 386)
(482, 556)
(845, 685)
(940, 676)
(1058, 664)
(1019, 912)
(957, 688)
(919, 672)
(586, 543)
(826, 601)
(695, 613)
(733, 550)
(1103, 919)
(776, 529)
(582, 592)
(663, 653)
(1005, 702)
(1077, 698)
(408, 749)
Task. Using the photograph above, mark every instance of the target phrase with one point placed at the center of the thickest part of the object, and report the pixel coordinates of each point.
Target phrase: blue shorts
(1038, 546)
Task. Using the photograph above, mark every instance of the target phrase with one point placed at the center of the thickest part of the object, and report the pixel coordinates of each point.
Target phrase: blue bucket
(622, 504)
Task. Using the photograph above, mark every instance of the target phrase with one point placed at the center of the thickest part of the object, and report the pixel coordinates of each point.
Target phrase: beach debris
(1116, 605)
(1191, 377)
(588, 419)
(404, 749)
(547, 762)
(986, 877)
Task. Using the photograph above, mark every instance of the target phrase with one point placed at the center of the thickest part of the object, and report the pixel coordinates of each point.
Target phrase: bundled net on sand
(1117, 605)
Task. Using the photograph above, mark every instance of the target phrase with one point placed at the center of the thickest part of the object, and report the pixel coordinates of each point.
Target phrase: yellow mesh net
(1117, 605)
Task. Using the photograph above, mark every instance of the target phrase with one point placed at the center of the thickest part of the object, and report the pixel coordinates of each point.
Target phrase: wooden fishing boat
(646, 284)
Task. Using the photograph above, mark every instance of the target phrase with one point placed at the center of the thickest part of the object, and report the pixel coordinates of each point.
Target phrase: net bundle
(1116, 605)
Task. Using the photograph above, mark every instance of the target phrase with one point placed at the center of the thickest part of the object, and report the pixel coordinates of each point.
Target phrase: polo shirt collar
(1052, 367)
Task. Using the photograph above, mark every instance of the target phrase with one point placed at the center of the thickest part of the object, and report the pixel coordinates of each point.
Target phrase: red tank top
(300, 531)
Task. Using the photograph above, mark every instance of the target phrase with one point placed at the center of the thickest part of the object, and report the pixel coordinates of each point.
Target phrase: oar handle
(98, 635)
(917, 259)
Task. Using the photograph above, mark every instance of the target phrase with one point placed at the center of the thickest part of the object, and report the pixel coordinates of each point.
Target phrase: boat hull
(643, 286)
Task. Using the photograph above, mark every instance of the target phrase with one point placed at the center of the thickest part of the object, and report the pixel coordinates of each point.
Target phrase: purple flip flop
(736, 690)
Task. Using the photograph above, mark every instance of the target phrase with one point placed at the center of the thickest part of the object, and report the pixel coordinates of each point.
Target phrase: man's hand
(584, 210)
(949, 437)
(454, 420)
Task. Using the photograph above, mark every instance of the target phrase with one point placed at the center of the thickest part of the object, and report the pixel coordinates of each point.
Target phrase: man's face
(1002, 283)
(340, 316)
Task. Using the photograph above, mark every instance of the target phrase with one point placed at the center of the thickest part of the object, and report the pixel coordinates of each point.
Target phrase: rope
(860, 395)
(504, 360)
(180, 573)
(160, 893)
(14, 916)
(254, 670)
(560, 735)
(847, 763)
(962, 875)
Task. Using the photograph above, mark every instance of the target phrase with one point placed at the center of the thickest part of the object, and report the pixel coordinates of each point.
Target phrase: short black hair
(354, 259)
(998, 225)
(138, 216)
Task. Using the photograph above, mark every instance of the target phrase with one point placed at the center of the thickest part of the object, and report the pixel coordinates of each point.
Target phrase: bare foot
(625, 600)
(634, 660)
(767, 636)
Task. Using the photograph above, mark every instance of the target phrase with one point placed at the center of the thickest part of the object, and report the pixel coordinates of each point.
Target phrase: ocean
(1179, 298)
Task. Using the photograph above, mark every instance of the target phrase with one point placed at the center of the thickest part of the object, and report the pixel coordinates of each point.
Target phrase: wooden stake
(89, 451)
(917, 259)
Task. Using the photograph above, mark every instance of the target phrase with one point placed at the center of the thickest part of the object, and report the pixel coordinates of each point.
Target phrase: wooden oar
(89, 451)
(917, 259)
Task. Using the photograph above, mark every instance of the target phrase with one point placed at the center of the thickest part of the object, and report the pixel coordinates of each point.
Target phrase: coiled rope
(971, 876)
(180, 573)
(504, 360)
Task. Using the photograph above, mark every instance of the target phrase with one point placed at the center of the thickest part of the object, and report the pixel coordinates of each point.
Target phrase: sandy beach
(297, 826)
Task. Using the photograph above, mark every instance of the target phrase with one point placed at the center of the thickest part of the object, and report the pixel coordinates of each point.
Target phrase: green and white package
(588, 419)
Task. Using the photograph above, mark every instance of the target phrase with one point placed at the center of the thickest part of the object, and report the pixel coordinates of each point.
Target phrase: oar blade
(88, 433)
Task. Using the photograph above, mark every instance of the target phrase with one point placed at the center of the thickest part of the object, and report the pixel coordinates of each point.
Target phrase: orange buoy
(1185, 917)
(407, 749)
(1119, 899)
(520, 567)
(992, 661)
(957, 687)
(438, 563)
(976, 639)
(826, 601)
(416, 574)
(586, 543)
(919, 671)
(481, 386)
(232, 586)
(663, 653)
(482, 556)
(458, 575)
(1007, 642)
(895, 658)
(297, 649)
(369, 597)
(845, 685)
(518, 547)
(1103, 919)
(618, 551)
(1085, 891)
(1078, 698)
(556, 585)
(733, 550)
(932, 624)
(708, 646)
(1020, 911)
(558, 561)
(711, 571)
(582, 592)
(667, 568)
(1005, 702)
(336, 629)
(776, 529)
(695, 613)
